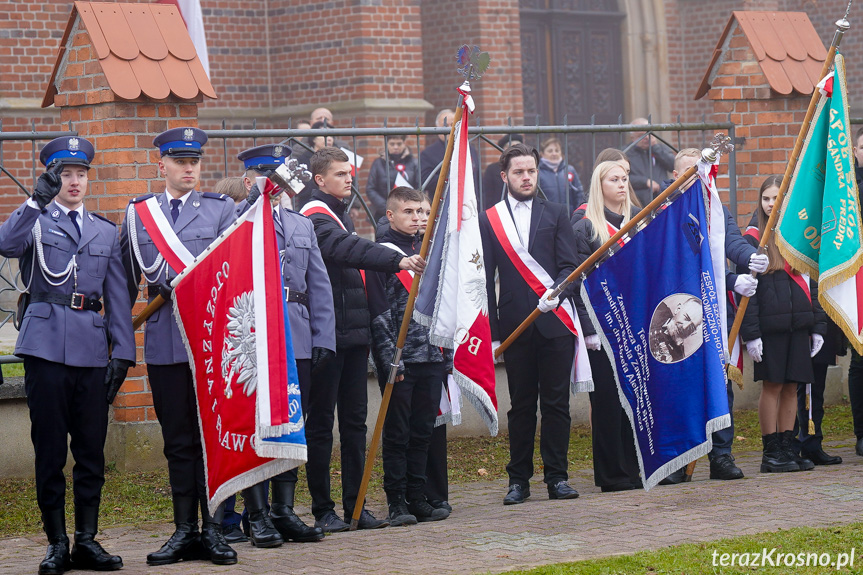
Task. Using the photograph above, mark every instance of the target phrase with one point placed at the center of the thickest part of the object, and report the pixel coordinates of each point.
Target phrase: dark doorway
(572, 70)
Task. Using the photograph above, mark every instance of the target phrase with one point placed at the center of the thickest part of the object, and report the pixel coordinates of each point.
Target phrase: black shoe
(285, 520)
(617, 487)
(57, 558)
(819, 457)
(86, 552)
(183, 545)
(787, 445)
(330, 523)
(561, 490)
(369, 521)
(233, 534)
(261, 530)
(676, 477)
(213, 544)
(399, 514)
(722, 467)
(774, 458)
(440, 504)
(858, 449)
(421, 509)
(516, 494)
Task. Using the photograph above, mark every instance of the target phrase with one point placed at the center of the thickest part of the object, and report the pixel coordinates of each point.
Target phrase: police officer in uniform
(196, 219)
(308, 293)
(70, 260)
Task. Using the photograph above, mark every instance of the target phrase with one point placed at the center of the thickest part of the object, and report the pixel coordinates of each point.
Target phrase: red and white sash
(405, 276)
(539, 281)
(611, 229)
(319, 207)
(163, 234)
(802, 280)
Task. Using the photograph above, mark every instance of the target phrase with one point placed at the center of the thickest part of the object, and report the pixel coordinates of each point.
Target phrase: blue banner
(656, 308)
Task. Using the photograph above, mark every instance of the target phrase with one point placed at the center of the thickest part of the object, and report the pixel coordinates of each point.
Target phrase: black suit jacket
(552, 244)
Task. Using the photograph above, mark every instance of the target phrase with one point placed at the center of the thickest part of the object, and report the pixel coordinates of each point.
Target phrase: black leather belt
(75, 300)
(301, 298)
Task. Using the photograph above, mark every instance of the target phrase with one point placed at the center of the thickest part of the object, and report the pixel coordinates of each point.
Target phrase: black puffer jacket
(345, 253)
(780, 306)
(388, 297)
(585, 245)
(378, 185)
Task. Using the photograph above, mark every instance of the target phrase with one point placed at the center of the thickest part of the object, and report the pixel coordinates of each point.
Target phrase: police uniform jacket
(303, 270)
(202, 218)
(56, 332)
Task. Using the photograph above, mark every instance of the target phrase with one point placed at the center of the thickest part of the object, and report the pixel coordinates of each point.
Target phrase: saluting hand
(48, 186)
(413, 263)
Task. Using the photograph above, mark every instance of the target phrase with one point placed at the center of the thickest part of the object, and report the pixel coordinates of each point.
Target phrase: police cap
(68, 150)
(181, 142)
(263, 158)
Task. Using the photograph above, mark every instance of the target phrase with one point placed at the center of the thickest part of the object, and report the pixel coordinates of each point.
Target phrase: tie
(175, 209)
(73, 215)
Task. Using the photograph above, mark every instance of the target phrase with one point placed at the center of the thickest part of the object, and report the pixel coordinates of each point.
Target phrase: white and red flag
(190, 10)
(229, 306)
(452, 299)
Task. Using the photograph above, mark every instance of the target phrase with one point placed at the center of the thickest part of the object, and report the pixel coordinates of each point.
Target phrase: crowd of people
(346, 296)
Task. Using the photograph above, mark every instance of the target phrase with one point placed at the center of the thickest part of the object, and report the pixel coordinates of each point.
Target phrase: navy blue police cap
(181, 142)
(68, 150)
(267, 157)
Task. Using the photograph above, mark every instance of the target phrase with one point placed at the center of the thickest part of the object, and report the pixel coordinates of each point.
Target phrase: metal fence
(580, 144)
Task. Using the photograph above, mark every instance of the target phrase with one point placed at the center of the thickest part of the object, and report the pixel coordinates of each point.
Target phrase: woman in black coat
(783, 327)
(615, 463)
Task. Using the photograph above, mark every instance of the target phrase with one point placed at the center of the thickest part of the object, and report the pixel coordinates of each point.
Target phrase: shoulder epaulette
(143, 198)
(214, 196)
(101, 217)
(295, 212)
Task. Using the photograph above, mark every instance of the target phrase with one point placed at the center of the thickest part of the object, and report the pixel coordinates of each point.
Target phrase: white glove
(746, 285)
(755, 348)
(592, 342)
(817, 342)
(546, 305)
(494, 346)
(758, 263)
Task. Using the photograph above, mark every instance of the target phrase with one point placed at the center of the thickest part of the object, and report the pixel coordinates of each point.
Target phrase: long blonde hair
(596, 203)
(777, 262)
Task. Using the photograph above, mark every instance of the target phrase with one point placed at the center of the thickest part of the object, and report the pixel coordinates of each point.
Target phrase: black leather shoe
(399, 514)
(285, 520)
(86, 552)
(369, 521)
(421, 509)
(261, 530)
(233, 534)
(331, 523)
(183, 545)
(676, 477)
(440, 504)
(859, 447)
(723, 467)
(787, 444)
(819, 457)
(214, 546)
(516, 494)
(56, 559)
(561, 490)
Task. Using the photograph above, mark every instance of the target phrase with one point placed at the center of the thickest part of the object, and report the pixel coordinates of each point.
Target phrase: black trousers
(339, 384)
(615, 461)
(855, 392)
(810, 443)
(437, 480)
(538, 368)
(408, 429)
(65, 402)
(177, 411)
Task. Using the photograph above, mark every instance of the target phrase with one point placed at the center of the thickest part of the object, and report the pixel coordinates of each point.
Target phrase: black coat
(433, 155)
(646, 165)
(551, 244)
(781, 306)
(345, 253)
(378, 185)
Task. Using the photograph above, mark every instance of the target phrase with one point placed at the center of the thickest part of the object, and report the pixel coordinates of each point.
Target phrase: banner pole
(406, 320)
(151, 308)
(842, 26)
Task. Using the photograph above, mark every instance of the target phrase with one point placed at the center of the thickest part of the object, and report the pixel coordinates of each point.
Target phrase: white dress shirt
(521, 211)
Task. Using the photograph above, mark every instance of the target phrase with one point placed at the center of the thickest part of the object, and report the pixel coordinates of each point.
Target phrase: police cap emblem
(188, 134)
(278, 151)
(73, 144)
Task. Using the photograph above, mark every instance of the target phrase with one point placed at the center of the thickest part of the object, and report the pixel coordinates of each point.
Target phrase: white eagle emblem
(238, 352)
(73, 144)
(278, 151)
(189, 134)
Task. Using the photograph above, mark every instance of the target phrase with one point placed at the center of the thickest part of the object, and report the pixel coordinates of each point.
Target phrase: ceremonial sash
(611, 229)
(802, 280)
(163, 235)
(405, 276)
(319, 207)
(539, 281)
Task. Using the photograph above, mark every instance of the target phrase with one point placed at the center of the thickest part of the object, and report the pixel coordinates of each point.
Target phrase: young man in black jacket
(421, 372)
(342, 381)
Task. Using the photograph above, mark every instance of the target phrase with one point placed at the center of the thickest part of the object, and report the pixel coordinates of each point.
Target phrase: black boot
(215, 548)
(285, 520)
(56, 559)
(261, 530)
(788, 446)
(775, 459)
(185, 543)
(86, 552)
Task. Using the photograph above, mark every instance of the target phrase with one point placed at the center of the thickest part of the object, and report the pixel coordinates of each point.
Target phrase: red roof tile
(786, 45)
(144, 50)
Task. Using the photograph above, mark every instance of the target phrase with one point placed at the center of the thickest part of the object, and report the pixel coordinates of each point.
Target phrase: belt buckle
(287, 294)
(77, 301)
